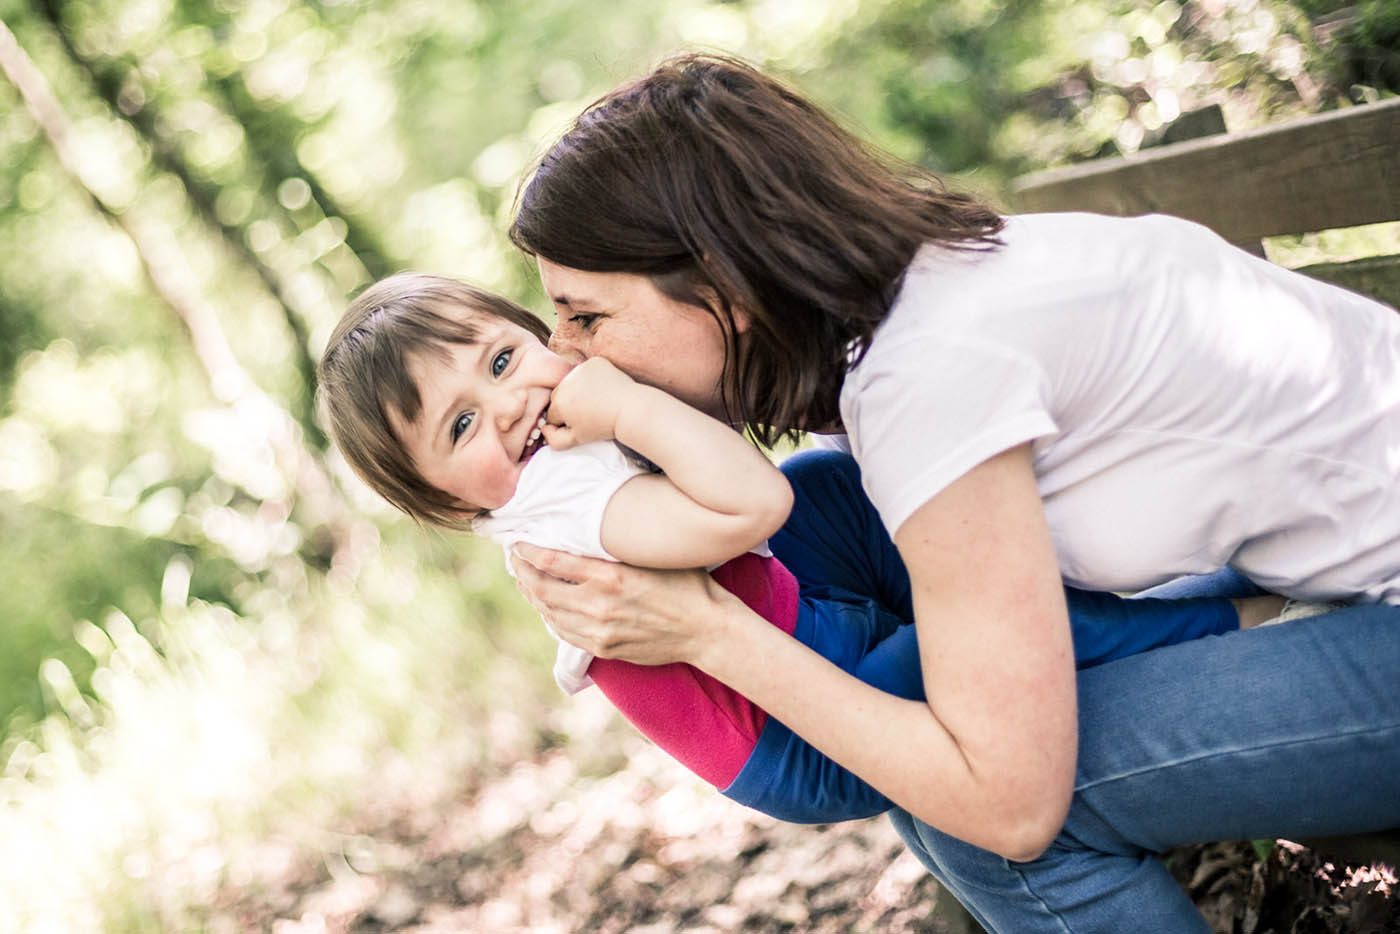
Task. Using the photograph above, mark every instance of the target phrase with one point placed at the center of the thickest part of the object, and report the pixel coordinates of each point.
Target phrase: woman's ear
(710, 296)
(741, 320)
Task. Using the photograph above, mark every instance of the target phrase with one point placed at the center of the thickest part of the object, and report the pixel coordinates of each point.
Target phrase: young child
(447, 402)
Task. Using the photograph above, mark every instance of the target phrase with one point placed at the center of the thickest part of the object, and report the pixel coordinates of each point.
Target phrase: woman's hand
(618, 611)
(586, 404)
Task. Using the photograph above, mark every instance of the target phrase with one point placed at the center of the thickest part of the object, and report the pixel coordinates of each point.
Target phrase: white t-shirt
(559, 503)
(1189, 405)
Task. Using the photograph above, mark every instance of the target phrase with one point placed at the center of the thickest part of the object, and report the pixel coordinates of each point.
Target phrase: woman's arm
(719, 496)
(988, 758)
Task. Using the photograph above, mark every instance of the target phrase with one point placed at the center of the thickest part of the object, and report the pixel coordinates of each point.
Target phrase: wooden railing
(1339, 169)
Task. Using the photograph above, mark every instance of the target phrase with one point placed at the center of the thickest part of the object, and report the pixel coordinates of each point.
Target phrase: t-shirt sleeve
(927, 410)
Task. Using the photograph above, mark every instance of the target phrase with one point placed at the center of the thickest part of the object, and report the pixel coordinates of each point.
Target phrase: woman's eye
(460, 424)
(583, 320)
(500, 362)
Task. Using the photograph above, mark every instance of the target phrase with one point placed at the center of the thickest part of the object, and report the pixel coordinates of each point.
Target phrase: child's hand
(586, 403)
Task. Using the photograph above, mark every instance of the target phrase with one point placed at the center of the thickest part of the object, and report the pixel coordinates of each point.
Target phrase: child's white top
(559, 503)
(1189, 405)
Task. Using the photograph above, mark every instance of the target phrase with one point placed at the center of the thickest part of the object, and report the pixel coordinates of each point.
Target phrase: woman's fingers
(561, 565)
(615, 611)
(567, 592)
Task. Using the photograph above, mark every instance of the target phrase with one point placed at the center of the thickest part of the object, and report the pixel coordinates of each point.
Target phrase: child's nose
(510, 406)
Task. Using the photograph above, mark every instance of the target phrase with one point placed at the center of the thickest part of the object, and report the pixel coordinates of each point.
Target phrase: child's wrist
(640, 408)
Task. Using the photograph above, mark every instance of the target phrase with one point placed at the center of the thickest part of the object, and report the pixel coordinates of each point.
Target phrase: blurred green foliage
(1363, 51)
(159, 546)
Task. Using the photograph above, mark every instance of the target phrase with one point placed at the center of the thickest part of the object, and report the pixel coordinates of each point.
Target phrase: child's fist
(586, 403)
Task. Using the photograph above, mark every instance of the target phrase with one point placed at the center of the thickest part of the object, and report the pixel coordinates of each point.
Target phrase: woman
(1114, 402)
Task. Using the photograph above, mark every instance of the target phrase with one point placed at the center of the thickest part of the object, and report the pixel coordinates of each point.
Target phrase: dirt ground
(608, 835)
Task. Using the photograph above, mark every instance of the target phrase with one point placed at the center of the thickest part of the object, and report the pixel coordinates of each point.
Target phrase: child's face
(481, 404)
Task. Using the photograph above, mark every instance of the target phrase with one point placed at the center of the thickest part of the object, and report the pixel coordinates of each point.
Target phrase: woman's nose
(566, 348)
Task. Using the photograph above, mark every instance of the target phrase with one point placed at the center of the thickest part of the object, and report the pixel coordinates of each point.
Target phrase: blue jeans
(836, 546)
(1290, 731)
(856, 611)
(1285, 731)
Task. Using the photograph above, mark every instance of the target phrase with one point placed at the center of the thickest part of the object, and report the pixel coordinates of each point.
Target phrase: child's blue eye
(500, 362)
(460, 425)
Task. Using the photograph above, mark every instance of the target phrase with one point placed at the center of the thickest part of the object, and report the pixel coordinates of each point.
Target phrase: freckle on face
(650, 336)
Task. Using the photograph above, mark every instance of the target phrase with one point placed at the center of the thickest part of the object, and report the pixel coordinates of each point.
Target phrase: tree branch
(170, 279)
(107, 84)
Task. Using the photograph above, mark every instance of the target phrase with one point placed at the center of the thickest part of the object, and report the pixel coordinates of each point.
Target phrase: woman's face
(655, 339)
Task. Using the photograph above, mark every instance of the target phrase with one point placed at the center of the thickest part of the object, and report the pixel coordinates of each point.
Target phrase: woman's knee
(1069, 888)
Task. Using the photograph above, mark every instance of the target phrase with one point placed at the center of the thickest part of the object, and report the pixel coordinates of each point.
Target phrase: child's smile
(536, 439)
(482, 408)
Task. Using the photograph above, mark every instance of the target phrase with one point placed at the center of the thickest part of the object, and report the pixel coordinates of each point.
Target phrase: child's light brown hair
(363, 377)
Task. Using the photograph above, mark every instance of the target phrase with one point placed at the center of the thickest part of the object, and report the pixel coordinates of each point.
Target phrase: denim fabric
(834, 541)
(849, 573)
(1290, 731)
(1226, 582)
(788, 778)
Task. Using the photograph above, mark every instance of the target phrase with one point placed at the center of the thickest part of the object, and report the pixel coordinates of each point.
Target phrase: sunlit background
(218, 651)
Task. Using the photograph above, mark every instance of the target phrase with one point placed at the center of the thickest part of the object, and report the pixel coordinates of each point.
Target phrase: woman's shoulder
(1043, 262)
(1054, 283)
(1046, 243)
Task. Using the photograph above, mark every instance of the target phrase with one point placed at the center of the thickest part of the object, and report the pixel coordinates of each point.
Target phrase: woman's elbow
(1026, 833)
(1020, 833)
(1029, 840)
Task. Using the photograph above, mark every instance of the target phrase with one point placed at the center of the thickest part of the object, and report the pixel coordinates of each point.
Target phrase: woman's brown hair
(363, 377)
(711, 177)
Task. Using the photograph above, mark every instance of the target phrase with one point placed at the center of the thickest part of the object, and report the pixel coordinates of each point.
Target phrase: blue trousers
(856, 610)
(1285, 731)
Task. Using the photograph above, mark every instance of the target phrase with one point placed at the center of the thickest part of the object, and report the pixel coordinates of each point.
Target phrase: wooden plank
(1338, 169)
(1194, 124)
(1377, 276)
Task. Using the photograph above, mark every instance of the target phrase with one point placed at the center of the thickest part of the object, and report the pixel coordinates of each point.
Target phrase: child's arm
(719, 495)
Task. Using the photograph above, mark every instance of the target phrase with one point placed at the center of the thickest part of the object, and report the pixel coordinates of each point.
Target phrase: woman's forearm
(954, 773)
(999, 778)
(989, 756)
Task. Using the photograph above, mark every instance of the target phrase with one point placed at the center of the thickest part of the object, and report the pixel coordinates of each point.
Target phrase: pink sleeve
(707, 726)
